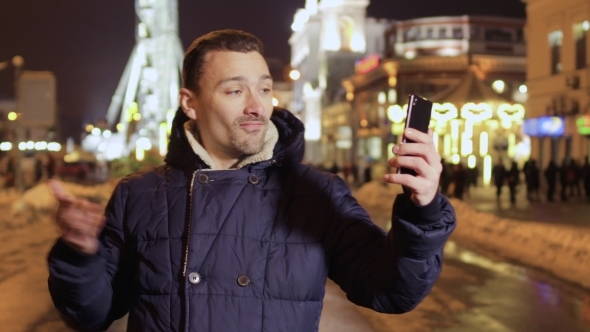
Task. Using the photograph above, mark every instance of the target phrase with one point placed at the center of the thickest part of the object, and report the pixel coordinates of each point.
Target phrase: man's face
(233, 105)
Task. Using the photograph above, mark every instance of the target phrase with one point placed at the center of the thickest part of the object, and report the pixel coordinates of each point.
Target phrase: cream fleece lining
(270, 140)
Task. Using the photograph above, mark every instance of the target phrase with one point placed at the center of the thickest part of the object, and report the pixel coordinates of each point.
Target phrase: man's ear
(188, 103)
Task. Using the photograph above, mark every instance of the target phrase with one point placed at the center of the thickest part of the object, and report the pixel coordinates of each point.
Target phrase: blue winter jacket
(248, 249)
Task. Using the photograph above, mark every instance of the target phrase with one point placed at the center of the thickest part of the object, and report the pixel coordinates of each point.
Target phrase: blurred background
(88, 91)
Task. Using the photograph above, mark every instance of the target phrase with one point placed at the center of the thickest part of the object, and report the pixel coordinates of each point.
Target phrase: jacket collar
(288, 147)
(192, 134)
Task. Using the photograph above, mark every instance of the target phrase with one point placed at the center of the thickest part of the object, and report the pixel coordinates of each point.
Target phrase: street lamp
(18, 62)
(294, 74)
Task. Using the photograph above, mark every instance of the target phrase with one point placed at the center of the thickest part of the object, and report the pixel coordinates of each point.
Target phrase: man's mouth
(252, 126)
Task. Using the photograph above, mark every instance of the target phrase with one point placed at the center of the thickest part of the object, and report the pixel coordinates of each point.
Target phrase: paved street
(474, 292)
(574, 212)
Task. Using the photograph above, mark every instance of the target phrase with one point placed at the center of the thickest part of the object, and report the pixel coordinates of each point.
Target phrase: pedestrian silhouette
(513, 179)
(564, 179)
(334, 169)
(551, 178)
(445, 177)
(459, 180)
(532, 179)
(499, 176)
(574, 175)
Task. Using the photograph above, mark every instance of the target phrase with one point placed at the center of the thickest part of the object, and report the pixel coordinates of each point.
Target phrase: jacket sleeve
(387, 272)
(91, 291)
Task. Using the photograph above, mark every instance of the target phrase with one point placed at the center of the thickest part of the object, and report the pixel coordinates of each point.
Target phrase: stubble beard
(248, 143)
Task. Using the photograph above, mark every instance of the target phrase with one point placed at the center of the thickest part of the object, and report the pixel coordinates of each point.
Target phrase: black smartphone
(418, 117)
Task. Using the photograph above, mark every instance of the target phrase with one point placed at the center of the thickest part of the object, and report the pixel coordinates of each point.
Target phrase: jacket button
(253, 179)
(203, 178)
(194, 278)
(243, 280)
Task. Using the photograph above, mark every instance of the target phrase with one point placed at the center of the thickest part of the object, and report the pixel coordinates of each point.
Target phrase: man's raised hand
(79, 220)
(422, 158)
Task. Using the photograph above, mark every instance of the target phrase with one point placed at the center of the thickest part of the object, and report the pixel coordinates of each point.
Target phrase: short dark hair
(220, 40)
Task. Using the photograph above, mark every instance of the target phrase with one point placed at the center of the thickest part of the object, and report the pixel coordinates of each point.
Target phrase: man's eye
(235, 92)
(266, 90)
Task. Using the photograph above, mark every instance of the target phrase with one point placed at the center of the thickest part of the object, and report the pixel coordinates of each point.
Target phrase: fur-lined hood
(185, 152)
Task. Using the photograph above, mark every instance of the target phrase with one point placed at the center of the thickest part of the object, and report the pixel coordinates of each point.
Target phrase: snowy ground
(561, 250)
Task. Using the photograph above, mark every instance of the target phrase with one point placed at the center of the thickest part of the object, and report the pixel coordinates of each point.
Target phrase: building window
(498, 35)
(346, 32)
(411, 34)
(519, 35)
(458, 33)
(474, 32)
(581, 37)
(429, 34)
(442, 33)
(555, 42)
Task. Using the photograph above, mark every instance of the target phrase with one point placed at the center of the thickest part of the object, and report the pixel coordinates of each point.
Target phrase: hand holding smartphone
(418, 117)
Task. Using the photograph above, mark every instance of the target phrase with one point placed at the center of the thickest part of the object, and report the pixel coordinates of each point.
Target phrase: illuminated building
(147, 95)
(328, 37)
(558, 78)
(472, 65)
(283, 94)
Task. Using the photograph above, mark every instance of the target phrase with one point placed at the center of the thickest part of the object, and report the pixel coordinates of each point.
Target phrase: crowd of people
(355, 175)
(570, 176)
(34, 168)
(456, 179)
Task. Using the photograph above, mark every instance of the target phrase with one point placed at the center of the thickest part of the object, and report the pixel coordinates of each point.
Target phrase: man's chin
(250, 145)
(250, 150)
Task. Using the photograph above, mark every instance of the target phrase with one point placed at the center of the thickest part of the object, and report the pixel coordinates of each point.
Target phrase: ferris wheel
(147, 95)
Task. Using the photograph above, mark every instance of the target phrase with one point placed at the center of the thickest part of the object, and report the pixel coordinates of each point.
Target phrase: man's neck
(223, 163)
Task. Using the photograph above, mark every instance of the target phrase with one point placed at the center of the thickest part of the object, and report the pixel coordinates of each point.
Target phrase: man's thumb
(58, 191)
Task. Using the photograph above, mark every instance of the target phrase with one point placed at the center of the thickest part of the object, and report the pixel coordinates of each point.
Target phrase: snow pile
(7, 196)
(39, 199)
(563, 250)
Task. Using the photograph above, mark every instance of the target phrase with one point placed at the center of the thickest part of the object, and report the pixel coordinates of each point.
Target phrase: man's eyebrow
(266, 77)
(242, 79)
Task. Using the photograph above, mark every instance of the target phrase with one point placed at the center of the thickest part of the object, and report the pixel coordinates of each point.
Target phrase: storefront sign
(530, 127)
(367, 64)
(583, 124)
(551, 126)
(544, 126)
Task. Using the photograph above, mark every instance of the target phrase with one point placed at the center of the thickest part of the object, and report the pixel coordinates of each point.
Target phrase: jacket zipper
(188, 226)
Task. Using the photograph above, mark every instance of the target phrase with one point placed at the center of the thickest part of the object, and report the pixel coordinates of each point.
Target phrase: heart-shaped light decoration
(509, 113)
(476, 112)
(444, 112)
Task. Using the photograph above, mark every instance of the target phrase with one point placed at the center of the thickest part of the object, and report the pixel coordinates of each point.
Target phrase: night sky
(87, 43)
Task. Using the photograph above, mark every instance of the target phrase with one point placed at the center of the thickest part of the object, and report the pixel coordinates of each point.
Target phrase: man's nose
(254, 105)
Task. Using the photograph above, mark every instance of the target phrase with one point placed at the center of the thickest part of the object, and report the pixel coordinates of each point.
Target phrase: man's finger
(417, 136)
(58, 192)
(88, 206)
(81, 223)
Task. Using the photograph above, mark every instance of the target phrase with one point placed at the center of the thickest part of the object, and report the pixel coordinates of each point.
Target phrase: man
(234, 233)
